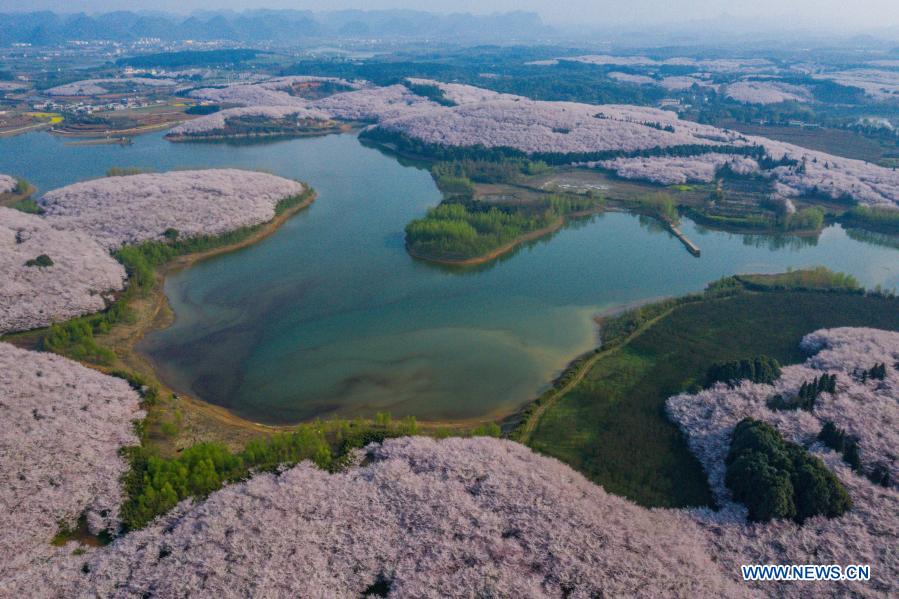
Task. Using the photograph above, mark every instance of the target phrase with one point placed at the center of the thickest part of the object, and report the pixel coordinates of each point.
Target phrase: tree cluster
(761, 369)
(878, 371)
(42, 261)
(836, 439)
(807, 394)
(82, 276)
(777, 479)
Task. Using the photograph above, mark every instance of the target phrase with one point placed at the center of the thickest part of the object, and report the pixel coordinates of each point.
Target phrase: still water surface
(330, 315)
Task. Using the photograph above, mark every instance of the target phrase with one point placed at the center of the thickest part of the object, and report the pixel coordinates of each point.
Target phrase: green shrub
(832, 436)
(125, 171)
(505, 170)
(660, 205)
(455, 186)
(456, 230)
(202, 109)
(807, 394)
(880, 475)
(490, 429)
(876, 217)
(153, 484)
(430, 91)
(806, 219)
(851, 454)
(42, 261)
(28, 206)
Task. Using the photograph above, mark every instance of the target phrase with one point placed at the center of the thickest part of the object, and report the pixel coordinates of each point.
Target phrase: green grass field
(612, 426)
(839, 142)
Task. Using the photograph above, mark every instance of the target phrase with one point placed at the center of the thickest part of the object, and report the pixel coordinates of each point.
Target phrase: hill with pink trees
(458, 517)
(672, 170)
(767, 92)
(374, 104)
(35, 293)
(217, 122)
(125, 210)
(61, 428)
(420, 517)
(867, 409)
(93, 87)
(649, 138)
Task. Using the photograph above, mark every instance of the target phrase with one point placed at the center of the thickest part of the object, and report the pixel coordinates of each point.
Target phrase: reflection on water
(330, 315)
(780, 241)
(884, 239)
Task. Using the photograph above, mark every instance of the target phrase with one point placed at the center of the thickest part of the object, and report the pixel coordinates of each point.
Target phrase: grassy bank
(155, 484)
(877, 219)
(76, 338)
(806, 220)
(606, 418)
(20, 197)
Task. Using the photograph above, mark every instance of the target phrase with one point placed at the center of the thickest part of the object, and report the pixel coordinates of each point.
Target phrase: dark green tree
(851, 454)
(832, 436)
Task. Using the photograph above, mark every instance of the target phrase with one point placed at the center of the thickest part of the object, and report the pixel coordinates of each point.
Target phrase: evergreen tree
(778, 479)
(851, 454)
(880, 475)
(832, 436)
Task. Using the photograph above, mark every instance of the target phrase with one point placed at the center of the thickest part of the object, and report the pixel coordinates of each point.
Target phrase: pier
(691, 247)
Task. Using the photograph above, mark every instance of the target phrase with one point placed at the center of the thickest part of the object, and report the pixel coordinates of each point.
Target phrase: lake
(330, 316)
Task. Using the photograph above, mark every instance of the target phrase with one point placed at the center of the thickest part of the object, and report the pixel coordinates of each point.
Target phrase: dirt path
(527, 429)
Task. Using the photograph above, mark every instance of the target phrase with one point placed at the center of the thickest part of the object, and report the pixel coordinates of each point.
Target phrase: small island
(256, 122)
(467, 233)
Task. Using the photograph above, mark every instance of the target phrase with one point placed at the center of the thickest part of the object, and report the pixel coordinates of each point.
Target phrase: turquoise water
(330, 315)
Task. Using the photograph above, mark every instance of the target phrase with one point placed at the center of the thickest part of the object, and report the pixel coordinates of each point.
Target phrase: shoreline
(342, 128)
(730, 227)
(209, 420)
(203, 420)
(533, 411)
(154, 313)
(113, 132)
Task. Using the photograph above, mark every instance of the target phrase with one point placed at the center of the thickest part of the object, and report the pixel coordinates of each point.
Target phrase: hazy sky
(840, 14)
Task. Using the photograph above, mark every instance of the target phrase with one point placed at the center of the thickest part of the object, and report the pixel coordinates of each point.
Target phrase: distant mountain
(283, 27)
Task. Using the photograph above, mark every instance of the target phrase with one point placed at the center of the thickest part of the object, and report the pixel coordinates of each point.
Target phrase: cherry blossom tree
(81, 275)
(61, 428)
(93, 87)
(766, 92)
(124, 210)
(216, 122)
(7, 183)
